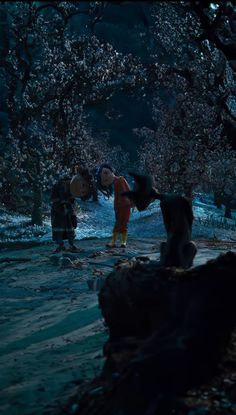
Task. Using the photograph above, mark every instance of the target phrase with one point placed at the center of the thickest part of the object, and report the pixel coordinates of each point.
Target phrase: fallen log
(168, 331)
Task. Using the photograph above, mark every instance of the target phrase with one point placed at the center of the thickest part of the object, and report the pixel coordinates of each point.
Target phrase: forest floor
(52, 331)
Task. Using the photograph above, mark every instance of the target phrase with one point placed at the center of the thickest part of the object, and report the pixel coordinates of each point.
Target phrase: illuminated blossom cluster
(169, 30)
(194, 99)
(51, 75)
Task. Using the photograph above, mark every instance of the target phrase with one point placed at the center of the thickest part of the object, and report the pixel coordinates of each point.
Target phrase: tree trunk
(36, 215)
(217, 200)
(189, 191)
(228, 211)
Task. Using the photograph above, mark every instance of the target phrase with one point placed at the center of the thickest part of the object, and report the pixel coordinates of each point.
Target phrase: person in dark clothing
(63, 216)
(63, 211)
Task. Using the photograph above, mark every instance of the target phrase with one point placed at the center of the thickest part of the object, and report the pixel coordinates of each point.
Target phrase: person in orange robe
(106, 180)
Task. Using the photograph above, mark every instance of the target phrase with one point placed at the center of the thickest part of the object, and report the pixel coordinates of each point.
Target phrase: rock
(77, 263)
(123, 263)
(142, 258)
(65, 262)
(96, 254)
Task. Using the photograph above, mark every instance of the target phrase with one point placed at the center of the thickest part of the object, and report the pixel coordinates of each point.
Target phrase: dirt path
(51, 328)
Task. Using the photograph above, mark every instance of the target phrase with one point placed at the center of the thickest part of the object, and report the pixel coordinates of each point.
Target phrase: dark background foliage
(131, 83)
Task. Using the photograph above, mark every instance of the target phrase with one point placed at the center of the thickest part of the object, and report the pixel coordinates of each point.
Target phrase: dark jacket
(63, 215)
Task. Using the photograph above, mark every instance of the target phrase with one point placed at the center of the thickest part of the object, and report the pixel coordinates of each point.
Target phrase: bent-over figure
(178, 250)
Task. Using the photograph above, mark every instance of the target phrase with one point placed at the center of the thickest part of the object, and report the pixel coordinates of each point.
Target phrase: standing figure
(178, 250)
(106, 179)
(63, 211)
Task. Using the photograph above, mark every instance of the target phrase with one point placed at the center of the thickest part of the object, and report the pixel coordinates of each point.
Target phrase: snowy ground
(96, 220)
(51, 327)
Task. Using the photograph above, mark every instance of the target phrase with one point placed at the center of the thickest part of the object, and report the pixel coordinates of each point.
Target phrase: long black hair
(106, 190)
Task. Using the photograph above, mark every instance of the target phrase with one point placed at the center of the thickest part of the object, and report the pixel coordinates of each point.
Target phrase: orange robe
(122, 205)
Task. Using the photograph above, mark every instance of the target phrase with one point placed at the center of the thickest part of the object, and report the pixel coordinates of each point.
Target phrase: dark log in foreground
(168, 332)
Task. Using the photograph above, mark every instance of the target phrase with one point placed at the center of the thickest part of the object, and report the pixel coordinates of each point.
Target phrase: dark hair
(106, 190)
